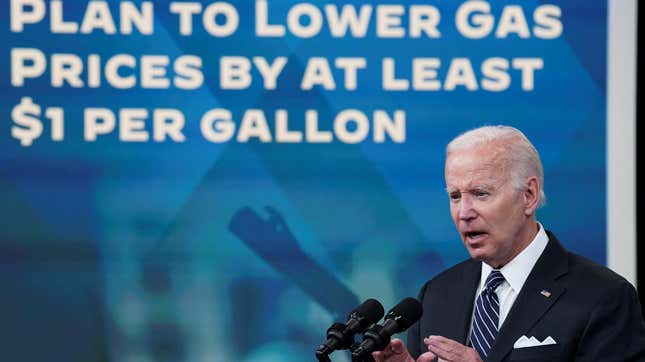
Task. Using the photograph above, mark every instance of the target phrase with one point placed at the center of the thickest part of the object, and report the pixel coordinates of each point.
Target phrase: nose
(466, 211)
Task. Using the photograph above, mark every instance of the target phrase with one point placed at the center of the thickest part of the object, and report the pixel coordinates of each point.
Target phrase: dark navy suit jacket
(592, 313)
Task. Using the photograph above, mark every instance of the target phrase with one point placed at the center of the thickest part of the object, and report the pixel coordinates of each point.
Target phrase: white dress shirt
(515, 274)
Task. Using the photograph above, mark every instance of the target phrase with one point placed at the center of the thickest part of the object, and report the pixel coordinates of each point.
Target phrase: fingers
(444, 348)
(443, 344)
(383, 356)
(397, 346)
(450, 350)
(378, 356)
(394, 352)
(427, 357)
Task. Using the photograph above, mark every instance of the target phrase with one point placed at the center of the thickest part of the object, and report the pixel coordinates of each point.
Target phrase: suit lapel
(470, 281)
(531, 304)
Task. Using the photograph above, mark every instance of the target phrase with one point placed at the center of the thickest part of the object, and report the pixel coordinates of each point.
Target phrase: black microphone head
(371, 311)
(406, 313)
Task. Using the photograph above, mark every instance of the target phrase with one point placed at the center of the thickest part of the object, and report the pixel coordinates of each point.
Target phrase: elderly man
(522, 296)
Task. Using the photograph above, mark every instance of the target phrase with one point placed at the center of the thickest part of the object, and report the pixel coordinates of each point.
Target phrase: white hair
(522, 157)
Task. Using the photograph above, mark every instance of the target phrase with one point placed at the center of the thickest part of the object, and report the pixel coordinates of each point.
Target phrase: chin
(477, 254)
(480, 254)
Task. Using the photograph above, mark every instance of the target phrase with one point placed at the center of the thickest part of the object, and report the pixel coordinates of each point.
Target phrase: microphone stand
(362, 358)
(323, 357)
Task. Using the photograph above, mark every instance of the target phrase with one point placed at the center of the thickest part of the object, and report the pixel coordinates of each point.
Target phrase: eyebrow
(476, 187)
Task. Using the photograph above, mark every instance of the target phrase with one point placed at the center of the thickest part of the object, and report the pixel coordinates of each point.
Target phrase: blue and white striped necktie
(486, 318)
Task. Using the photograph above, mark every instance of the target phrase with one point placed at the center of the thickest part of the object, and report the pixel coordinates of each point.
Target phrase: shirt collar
(517, 270)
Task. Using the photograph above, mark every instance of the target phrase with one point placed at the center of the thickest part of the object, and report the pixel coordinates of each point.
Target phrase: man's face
(489, 213)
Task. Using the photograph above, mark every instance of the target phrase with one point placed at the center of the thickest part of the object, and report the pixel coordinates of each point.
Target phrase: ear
(531, 195)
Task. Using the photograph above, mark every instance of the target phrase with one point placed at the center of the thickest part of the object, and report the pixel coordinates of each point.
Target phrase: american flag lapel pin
(545, 293)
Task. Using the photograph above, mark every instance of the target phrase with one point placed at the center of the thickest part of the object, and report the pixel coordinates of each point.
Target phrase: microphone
(397, 320)
(341, 336)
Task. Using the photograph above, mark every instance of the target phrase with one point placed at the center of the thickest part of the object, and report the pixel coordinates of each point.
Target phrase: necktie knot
(494, 279)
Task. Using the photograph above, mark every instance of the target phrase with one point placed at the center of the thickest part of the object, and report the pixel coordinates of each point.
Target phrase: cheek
(453, 212)
(502, 209)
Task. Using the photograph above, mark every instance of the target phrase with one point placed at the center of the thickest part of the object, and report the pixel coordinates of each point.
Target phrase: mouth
(474, 236)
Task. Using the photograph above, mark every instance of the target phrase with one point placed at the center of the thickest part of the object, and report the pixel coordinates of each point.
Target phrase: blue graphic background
(167, 251)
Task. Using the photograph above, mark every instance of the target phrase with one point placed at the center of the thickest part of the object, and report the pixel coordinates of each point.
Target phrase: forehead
(482, 165)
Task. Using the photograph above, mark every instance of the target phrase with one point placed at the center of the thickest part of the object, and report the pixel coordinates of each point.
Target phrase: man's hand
(396, 352)
(448, 350)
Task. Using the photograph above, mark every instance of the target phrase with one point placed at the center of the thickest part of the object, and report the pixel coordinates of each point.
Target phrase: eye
(454, 196)
(480, 194)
